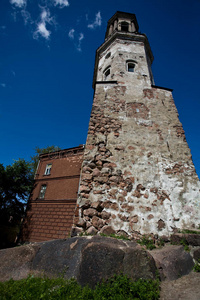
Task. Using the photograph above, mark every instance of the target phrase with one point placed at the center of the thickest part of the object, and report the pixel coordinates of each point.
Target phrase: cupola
(122, 22)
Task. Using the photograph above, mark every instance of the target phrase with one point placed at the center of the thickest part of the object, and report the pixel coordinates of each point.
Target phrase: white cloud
(71, 33)
(43, 25)
(3, 85)
(61, 3)
(45, 18)
(97, 21)
(43, 30)
(22, 4)
(26, 16)
(78, 38)
(81, 37)
(18, 3)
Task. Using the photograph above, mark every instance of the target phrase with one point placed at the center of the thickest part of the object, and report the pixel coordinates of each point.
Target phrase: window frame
(48, 170)
(108, 55)
(130, 64)
(105, 75)
(42, 192)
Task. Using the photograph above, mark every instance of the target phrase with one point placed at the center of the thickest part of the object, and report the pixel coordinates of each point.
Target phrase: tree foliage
(16, 182)
(35, 159)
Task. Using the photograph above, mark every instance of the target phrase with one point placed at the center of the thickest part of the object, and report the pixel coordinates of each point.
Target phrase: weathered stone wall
(137, 173)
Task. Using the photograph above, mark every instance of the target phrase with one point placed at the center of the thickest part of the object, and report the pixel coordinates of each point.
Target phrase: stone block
(90, 212)
(172, 262)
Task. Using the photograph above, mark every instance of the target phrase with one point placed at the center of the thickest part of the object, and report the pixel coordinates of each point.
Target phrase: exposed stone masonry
(121, 182)
(137, 174)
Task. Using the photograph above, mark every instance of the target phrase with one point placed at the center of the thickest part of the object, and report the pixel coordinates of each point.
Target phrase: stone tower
(137, 174)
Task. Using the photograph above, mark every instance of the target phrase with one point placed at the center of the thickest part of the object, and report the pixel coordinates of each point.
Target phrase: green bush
(119, 288)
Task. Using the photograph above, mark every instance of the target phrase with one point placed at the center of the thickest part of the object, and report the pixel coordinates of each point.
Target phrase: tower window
(42, 191)
(48, 169)
(131, 67)
(108, 55)
(107, 73)
(124, 26)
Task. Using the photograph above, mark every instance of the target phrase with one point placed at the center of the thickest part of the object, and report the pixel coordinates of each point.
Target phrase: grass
(184, 243)
(148, 242)
(119, 287)
(84, 234)
(189, 231)
(119, 237)
(160, 243)
(196, 267)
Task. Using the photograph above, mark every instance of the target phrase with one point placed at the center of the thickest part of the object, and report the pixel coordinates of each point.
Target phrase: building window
(130, 67)
(108, 55)
(124, 26)
(107, 73)
(48, 169)
(42, 191)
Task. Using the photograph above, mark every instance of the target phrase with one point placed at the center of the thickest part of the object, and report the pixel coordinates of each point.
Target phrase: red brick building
(52, 204)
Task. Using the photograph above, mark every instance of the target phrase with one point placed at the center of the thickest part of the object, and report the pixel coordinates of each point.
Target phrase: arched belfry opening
(122, 22)
(124, 26)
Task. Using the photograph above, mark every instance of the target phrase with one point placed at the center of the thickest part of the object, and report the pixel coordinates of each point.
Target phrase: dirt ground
(184, 288)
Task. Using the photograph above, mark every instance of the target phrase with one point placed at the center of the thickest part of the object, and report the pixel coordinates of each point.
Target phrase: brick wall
(52, 217)
(48, 220)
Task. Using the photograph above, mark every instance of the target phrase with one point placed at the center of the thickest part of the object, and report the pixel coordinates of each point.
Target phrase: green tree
(16, 182)
(35, 159)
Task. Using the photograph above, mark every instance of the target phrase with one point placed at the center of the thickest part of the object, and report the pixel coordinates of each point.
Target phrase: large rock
(190, 239)
(102, 258)
(172, 262)
(196, 254)
(16, 262)
(184, 288)
(88, 259)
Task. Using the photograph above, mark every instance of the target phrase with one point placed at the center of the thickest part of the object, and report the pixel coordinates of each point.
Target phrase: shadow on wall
(8, 234)
(25, 228)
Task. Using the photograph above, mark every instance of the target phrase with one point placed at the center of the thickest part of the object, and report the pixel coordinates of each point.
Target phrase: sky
(47, 53)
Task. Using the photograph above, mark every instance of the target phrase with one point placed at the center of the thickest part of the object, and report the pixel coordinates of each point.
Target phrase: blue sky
(47, 52)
